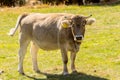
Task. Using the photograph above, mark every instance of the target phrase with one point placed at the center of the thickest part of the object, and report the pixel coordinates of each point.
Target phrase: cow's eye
(71, 22)
(83, 24)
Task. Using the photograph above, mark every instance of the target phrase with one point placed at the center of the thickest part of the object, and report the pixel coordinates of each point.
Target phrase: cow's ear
(90, 21)
(65, 24)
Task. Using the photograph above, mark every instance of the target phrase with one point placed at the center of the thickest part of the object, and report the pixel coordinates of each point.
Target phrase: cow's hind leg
(34, 49)
(24, 41)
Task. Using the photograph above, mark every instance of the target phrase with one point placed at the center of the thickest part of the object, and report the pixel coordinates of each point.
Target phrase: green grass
(98, 58)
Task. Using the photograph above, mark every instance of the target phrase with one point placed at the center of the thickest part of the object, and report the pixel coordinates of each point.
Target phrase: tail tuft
(11, 33)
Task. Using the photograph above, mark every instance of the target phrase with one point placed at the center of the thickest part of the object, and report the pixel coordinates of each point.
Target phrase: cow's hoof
(74, 72)
(37, 71)
(65, 73)
(22, 73)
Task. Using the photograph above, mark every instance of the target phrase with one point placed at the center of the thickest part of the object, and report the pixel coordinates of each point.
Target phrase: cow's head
(77, 24)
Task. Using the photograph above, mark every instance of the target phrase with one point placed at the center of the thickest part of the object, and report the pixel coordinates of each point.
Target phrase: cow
(50, 31)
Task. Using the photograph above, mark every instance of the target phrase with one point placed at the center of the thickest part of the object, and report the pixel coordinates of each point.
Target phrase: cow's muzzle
(78, 38)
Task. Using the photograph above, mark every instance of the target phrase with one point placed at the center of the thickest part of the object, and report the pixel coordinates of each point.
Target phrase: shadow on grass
(73, 76)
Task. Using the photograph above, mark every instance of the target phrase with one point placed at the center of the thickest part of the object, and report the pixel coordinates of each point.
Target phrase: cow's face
(78, 27)
(77, 24)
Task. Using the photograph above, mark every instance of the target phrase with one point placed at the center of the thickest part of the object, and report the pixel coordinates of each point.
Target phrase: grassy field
(98, 58)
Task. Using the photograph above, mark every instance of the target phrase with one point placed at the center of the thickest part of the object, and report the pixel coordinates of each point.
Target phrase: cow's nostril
(79, 37)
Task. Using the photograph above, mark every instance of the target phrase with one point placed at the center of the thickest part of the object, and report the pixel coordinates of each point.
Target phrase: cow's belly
(47, 45)
(46, 41)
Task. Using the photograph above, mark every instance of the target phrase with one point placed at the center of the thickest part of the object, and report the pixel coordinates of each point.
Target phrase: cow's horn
(88, 16)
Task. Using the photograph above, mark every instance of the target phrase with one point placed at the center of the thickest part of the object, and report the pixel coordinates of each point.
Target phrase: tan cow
(49, 32)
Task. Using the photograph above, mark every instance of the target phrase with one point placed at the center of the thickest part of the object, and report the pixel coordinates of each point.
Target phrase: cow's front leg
(34, 49)
(65, 60)
(73, 56)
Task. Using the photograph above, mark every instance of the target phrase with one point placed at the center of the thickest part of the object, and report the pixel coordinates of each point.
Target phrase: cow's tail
(13, 30)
